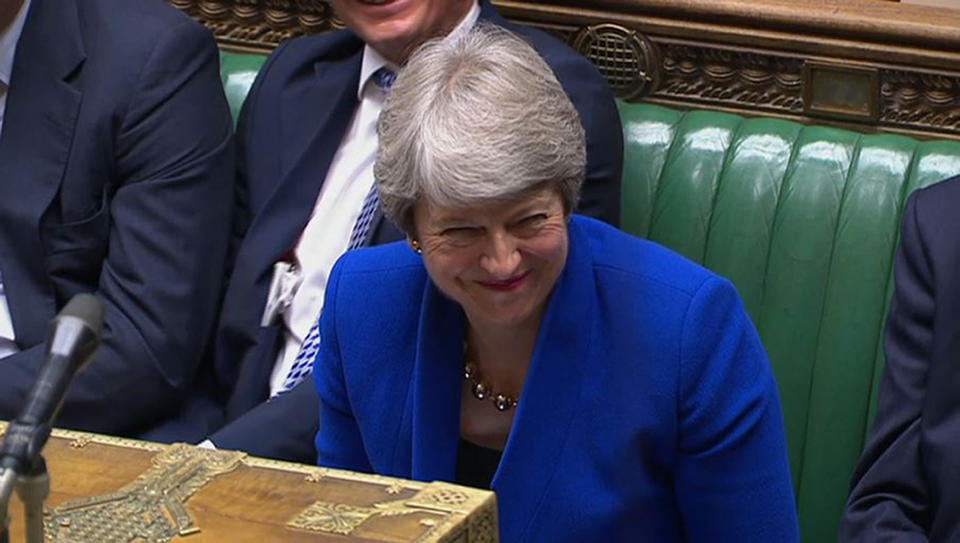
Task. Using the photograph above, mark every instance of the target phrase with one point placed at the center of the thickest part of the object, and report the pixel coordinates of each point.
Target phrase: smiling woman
(602, 386)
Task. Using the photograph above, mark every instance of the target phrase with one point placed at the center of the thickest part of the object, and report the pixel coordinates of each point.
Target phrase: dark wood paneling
(863, 64)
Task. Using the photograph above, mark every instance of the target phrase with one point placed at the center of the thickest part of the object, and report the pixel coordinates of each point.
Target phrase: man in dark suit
(306, 143)
(905, 487)
(115, 178)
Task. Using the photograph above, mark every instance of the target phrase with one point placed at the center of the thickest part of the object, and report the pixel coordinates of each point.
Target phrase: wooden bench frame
(868, 65)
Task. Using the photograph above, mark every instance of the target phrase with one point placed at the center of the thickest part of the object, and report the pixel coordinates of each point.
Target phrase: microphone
(73, 337)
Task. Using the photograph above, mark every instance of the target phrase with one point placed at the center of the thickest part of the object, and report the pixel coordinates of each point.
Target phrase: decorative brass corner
(343, 519)
(81, 442)
(140, 510)
(443, 503)
(315, 476)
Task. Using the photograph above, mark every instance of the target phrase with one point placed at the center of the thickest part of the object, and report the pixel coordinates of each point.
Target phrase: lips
(375, 2)
(512, 283)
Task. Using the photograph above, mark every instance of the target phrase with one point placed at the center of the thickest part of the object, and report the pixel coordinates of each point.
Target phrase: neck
(8, 11)
(503, 353)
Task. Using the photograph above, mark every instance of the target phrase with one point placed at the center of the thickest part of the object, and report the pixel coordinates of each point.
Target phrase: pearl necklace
(481, 390)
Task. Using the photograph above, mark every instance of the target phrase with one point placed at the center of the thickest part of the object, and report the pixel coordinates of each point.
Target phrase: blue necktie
(303, 364)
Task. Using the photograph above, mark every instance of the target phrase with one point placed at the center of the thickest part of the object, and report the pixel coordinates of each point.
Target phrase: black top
(476, 465)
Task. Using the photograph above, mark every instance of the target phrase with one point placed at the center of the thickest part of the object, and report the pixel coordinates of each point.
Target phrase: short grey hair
(476, 119)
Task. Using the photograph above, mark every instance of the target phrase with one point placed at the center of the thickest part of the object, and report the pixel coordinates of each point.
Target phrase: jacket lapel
(436, 387)
(551, 392)
(38, 130)
(331, 95)
(314, 117)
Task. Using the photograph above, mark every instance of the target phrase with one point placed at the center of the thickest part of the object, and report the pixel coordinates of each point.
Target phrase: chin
(392, 39)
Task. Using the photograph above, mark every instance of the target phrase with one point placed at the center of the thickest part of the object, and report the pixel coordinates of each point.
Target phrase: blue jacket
(649, 410)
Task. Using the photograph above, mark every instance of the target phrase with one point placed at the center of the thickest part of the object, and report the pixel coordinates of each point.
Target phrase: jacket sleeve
(889, 498)
(170, 216)
(732, 476)
(339, 443)
(282, 428)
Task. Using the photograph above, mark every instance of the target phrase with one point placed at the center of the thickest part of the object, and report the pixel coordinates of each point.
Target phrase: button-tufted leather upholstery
(804, 221)
(238, 71)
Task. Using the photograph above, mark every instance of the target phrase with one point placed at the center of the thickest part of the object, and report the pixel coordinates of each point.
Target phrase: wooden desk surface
(105, 488)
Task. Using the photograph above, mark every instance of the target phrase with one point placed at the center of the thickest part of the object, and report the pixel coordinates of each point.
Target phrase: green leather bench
(804, 221)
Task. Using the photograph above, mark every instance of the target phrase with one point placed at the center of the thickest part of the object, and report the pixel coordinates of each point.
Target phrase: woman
(602, 386)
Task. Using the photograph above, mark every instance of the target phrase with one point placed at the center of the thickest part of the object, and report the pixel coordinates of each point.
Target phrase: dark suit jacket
(115, 176)
(292, 123)
(905, 487)
(649, 411)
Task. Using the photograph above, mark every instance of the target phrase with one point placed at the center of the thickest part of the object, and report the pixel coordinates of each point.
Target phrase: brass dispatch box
(122, 490)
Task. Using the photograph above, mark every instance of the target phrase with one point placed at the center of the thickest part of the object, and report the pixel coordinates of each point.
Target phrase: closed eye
(532, 220)
(459, 231)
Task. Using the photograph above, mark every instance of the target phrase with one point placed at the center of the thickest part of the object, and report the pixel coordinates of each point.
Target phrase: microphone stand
(33, 489)
(8, 480)
(73, 337)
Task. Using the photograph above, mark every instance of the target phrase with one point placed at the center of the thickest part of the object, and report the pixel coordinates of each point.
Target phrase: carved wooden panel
(871, 66)
(920, 100)
(260, 25)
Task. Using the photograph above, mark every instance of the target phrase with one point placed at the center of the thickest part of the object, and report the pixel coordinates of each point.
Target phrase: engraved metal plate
(841, 91)
(151, 508)
(440, 502)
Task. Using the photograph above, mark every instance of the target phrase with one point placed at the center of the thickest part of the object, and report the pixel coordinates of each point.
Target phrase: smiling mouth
(507, 285)
(375, 2)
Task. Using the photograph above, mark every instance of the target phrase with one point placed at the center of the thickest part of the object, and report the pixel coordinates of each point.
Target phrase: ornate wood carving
(920, 100)
(749, 57)
(260, 25)
(731, 78)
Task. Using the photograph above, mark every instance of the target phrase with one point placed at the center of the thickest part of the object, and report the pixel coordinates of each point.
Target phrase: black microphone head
(87, 308)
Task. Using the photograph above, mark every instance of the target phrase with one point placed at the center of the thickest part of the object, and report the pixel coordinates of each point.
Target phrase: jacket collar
(314, 116)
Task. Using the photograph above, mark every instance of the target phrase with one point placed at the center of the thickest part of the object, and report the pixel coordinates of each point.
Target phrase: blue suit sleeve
(160, 281)
(282, 428)
(889, 498)
(339, 443)
(732, 475)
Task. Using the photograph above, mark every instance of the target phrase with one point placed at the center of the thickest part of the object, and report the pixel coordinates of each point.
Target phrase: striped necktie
(303, 364)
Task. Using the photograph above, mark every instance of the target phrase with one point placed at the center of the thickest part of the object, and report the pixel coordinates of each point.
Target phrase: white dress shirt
(327, 233)
(8, 48)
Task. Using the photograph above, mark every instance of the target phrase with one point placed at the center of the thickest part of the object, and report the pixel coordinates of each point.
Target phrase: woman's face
(498, 260)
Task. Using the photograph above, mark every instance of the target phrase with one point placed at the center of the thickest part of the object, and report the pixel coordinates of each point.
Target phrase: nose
(501, 258)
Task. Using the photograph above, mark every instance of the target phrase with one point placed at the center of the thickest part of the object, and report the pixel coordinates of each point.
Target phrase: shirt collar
(373, 61)
(8, 42)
